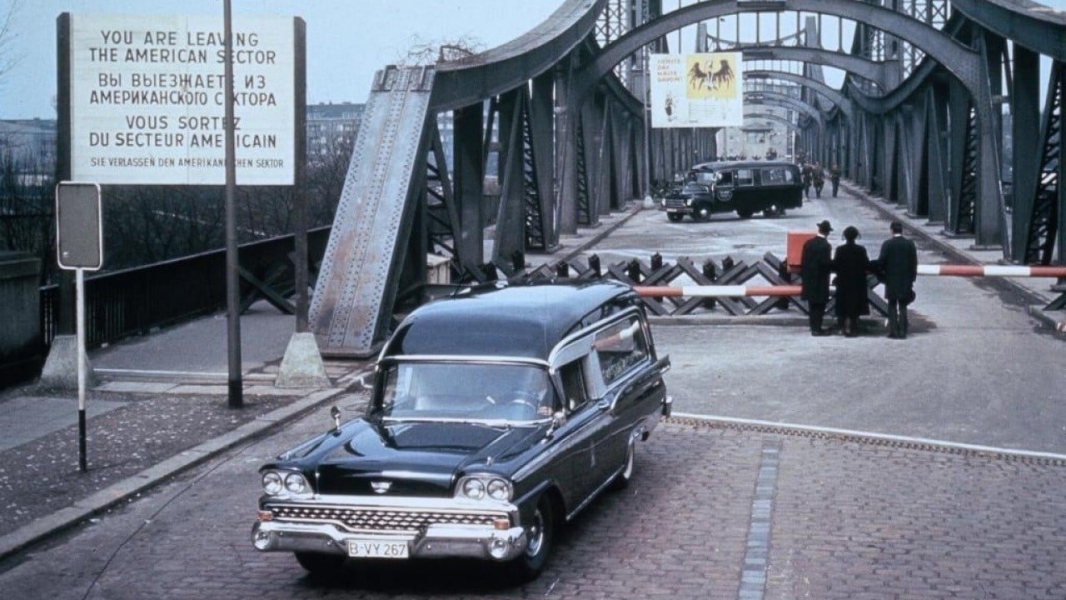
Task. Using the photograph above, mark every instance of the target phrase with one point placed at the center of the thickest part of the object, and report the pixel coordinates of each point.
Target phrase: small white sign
(147, 100)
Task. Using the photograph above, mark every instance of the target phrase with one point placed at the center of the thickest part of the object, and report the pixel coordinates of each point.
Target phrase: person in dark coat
(897, 266)
(818, 175)
(850, 263)
(834, 177)
(815, 264)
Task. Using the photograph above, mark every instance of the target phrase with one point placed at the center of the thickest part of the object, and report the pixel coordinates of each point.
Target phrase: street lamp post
(233, 293)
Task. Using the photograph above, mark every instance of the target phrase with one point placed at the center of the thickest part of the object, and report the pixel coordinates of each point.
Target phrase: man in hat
(815, 263)
(897, 267)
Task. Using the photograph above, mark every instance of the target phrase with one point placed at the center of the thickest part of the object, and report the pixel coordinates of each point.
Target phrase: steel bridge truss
(557, 116)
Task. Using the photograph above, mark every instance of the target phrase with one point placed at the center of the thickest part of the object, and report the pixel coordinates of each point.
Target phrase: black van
(745, 187)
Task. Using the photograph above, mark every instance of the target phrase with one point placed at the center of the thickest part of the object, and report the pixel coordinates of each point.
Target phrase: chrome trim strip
(465, 358)
(450, 504)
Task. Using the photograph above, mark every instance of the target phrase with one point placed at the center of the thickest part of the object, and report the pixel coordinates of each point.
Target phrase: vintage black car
(747, 187)
(496, 415)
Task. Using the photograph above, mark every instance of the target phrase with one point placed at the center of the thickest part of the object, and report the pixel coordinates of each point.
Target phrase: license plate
(376, 549)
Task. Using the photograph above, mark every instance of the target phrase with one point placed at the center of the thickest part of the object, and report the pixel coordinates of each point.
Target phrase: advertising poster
(697, 90)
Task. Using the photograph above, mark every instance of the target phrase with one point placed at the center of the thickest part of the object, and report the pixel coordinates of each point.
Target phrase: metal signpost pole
(233, 296)
(79, 246)
(83, 462)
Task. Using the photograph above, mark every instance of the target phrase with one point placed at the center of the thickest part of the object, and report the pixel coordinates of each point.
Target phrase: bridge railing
(136, 301)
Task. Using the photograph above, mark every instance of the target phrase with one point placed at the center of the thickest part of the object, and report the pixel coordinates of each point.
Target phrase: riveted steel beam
(831, 94)
(772, 117)
(1028, 24)
(779, 99)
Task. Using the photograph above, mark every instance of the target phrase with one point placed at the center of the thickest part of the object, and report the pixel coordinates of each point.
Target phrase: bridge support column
(1025, 157)
(468, 169)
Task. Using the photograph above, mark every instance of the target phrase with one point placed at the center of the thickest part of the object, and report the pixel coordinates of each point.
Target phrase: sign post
(79, 244)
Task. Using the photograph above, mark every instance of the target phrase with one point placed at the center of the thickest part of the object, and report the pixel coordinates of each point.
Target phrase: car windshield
(466, 392)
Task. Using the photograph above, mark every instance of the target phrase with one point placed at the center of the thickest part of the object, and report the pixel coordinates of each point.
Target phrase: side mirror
(558, 420)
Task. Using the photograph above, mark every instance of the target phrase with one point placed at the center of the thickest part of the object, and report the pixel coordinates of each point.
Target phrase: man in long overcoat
(815, 264)
(850, 263)
(898, 268)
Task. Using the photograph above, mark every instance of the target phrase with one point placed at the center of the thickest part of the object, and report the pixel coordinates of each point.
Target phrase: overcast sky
(347, 40)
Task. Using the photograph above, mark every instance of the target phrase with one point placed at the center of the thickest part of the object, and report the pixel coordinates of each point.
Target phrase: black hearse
(497, 415)
(744, 187)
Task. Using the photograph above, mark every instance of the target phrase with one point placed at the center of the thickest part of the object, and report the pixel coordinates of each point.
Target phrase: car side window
(776, 176)
(619, 347)
(575, 391)
(725, 178)
(745, 177)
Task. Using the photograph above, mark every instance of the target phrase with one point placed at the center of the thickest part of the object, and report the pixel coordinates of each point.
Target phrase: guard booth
(794, 248)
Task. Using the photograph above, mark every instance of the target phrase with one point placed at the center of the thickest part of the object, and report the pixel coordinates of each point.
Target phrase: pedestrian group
(896, 267)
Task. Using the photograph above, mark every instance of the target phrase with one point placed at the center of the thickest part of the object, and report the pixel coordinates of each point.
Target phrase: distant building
(332, 128)
(30, 145)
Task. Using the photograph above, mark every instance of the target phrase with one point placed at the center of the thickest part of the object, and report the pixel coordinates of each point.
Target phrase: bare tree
(8, 56)
(423, 51)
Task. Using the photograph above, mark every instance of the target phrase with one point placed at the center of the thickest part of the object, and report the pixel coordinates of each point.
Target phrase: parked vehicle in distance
(747, 187)
(496, 415)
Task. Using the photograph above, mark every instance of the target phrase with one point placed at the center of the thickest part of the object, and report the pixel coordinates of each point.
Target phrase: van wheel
(744, 213)
(675, 217)
(701, 214)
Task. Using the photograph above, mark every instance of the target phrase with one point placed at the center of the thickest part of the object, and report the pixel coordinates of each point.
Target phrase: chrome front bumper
(433, 540)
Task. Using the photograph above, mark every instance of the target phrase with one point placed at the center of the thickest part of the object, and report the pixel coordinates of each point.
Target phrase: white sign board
(697, 90)
(147, 100)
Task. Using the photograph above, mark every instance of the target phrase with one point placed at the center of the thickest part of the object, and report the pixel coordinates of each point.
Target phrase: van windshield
(706, 177)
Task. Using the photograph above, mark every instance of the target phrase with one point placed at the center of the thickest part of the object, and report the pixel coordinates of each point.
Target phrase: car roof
(518, 321)
(732, 164)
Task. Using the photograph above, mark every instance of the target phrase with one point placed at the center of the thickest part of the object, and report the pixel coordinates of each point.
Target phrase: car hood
(411, 458)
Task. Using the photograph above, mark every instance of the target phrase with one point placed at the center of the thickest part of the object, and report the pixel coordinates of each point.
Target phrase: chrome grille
(675, 203)
(377, 519)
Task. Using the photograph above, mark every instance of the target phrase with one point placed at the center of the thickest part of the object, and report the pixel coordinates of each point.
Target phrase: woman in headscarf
(850, 263)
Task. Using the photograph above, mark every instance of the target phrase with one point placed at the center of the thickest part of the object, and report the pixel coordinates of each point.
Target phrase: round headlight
(295, 483)
(474, 489)
(688, 202)
(272, 483)
(499, 489)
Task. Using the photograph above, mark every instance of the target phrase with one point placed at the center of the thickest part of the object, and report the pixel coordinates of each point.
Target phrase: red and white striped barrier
(992, 271)
(716, 291)
(734, 291)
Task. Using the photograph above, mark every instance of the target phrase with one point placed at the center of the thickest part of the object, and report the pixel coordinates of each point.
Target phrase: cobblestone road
(848, 519)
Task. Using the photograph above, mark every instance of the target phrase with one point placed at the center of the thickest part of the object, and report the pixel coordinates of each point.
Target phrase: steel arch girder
(506, 67)
(856, 65)
(792, 103)
(834, 96)
(960, 60)
(1041, 31)
(772, 117)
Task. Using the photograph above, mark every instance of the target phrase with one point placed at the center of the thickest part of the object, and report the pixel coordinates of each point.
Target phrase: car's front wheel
(701, 214)
(540, 536)
(675, 217)
(318, 563)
